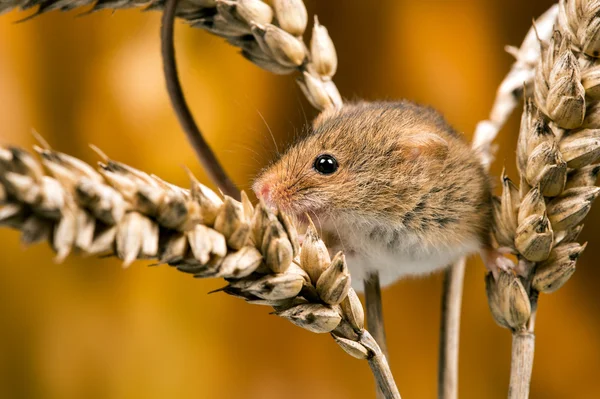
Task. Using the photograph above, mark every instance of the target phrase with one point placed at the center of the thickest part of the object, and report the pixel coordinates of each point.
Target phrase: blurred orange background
(88, 329)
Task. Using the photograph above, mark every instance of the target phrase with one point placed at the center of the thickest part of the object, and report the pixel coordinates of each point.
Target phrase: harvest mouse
(391, 184)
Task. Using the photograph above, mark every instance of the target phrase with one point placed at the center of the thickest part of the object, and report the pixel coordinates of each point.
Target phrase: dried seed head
(567, 236)
(534, 238)
(313, 317)
(569, 209)
(279, 255)
(333, 93)
(546, 167)
(322, 51)
(334, 283)
(589, 30)
(21, 162)
(565, 102)
(209, 201)
(103, 201)
(173, 247)
(63, 237)
(583, 177)
(104, 241)
(581, 148)
(509, 203)
(267, 63)
(23, 188)
(172, 212)
(35, 229)
(84, 225)
(274, 230)
(532, 204)
(241, 263)
(240, 236)
(229, 218)
(3, 194)
(277, 286)
(315, 91)
(291, 232)
(201, 243)
(494, 300)
(13, 215)
(260, 221)
(514, 301)
(353, 311)
(247, 11)
(560, 266)
(590, 79)
(223, 24)
(592, 116)
(150, 237)
(353, 348)
(76, 166)
(291, 15)
(285, 48)
(505, 237)
(52, 198)
(247, 205)
(314, 257)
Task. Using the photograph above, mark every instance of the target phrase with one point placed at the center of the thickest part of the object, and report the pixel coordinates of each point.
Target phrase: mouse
(389, 183)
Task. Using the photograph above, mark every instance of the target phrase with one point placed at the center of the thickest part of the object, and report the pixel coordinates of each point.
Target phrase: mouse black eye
(325, 164)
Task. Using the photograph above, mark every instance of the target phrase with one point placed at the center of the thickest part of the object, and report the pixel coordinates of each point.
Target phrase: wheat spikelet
(122, 211)
(268, 36)
(559, 143)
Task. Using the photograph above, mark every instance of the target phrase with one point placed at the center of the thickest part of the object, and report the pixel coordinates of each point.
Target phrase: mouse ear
(426, 144)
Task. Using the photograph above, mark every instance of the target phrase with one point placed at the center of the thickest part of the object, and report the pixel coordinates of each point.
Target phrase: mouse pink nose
(264, 192)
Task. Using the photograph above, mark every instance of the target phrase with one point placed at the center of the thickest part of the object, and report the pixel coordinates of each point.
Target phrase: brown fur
(400, 165)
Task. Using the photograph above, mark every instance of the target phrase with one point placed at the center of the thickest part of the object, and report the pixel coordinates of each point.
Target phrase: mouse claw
(495, 261)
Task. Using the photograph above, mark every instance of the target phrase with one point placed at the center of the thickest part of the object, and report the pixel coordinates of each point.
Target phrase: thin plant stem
(375, 322)
(507, 98)
(521, 364)
(523, 348)
(450, 330)
(386, 387)
(203, 151)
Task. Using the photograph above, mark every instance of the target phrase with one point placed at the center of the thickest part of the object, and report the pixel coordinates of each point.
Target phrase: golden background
(88, 329)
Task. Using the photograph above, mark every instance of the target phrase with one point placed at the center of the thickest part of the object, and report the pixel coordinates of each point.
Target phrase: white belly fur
(411, 257)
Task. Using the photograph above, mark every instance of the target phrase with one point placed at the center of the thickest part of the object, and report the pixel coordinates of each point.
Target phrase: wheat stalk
(269, 36)
(125, 212)
(559, 142)
(507, 98)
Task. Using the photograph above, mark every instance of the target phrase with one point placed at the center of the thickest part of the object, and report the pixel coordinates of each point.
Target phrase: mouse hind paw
(495, 261)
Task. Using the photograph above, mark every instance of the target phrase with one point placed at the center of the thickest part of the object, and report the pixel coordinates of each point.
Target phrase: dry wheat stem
(268, 36)
(122, 211)
(559, 145)
(209, 161)
(375, 315)
(507, 98)
(450, 330)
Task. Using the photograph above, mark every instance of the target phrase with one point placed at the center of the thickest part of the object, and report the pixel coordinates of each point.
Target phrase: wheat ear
(559, 142)
(507, 98)
(268, 36)
(125, 212)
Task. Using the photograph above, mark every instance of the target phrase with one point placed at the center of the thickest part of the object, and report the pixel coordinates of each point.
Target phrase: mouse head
(357, 162)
